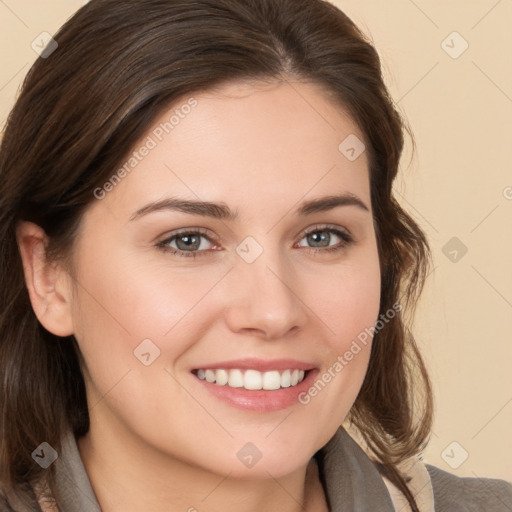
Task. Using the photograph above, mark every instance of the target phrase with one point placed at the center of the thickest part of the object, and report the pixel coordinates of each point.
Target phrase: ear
(48, 284)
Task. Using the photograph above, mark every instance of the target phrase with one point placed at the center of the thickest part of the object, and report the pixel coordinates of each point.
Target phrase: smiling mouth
(252, 379)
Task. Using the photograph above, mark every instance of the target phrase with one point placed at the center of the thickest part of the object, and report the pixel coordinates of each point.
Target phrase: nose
(262, 298)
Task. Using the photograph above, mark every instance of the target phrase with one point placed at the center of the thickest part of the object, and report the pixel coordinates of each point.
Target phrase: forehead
(247, 144)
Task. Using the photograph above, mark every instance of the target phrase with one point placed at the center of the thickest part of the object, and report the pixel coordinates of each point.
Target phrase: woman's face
(238, 245)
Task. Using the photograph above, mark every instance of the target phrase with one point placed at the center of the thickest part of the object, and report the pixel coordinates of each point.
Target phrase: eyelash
(346, 238)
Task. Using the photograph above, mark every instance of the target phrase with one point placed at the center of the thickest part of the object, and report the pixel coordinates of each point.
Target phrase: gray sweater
(351, 481)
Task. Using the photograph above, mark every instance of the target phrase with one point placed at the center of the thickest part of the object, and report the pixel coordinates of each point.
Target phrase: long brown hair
(118, 65)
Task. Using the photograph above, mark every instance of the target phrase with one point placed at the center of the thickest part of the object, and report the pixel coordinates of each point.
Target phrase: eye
(190, 243)
(325, 239)
(195, 242)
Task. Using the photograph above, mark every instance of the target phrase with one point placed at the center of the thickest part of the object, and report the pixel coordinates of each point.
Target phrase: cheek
(119, 305)
(348, 299)
(143, 301)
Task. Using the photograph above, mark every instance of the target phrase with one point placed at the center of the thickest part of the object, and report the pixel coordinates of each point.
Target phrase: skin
(157, 435)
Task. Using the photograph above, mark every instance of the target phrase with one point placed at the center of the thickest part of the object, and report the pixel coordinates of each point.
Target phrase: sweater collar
(351, 481)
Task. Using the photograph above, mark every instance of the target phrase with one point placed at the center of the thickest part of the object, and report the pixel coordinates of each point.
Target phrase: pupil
(320, 237)
(188, 242)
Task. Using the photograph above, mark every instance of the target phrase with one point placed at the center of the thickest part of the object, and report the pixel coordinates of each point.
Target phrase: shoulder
(474, 494)
(440, 491)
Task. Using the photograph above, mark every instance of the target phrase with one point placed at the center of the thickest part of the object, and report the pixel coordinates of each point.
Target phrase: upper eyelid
(206, 233)
(320, 227)
(185, 231)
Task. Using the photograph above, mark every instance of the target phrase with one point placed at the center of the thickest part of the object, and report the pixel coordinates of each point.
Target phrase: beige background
(459, 184)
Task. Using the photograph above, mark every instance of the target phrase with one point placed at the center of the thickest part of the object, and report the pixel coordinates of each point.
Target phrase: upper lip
(261, 365)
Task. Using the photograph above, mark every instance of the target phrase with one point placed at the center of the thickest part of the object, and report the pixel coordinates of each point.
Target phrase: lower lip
(260, 400)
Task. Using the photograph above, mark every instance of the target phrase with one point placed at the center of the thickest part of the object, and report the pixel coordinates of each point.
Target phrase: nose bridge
(265, 299)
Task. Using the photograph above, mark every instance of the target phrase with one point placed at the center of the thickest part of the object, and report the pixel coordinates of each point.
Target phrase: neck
(128, 476)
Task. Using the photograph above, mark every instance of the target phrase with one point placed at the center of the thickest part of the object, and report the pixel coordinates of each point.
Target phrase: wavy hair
(119, 64)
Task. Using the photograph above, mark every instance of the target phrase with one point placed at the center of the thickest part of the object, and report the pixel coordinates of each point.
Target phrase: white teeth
(286, 379)
(271, 380)
(236, 379)
(221, 377)
(253, 379)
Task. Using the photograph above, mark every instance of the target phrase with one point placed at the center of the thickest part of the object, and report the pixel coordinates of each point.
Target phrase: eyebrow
(223, 212)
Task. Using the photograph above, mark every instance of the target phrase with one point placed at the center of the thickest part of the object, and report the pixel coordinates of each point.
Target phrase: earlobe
(47, 282)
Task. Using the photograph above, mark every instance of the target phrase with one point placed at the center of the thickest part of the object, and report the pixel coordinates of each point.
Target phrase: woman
(205, 272)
